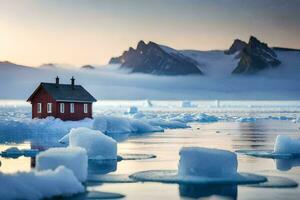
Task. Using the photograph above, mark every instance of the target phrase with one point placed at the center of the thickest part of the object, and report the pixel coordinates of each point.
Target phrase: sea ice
(286, 145)
(39, 184)
(186, 104)
(246, 119)
(74, 158)
(132, 110)
(96, 144)
(113, 125)
(170, 124)
(207, 118)
(197, 161)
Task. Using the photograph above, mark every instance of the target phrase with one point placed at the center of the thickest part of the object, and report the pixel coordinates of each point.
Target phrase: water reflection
(287, 164)
(252, 136)
(200, 191)
(102, 167)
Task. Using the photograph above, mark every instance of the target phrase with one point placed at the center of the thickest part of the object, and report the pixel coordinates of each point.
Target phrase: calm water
(224, 135)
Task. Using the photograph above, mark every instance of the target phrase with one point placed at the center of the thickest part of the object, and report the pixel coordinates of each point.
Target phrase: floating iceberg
(246, 119)
(284, 148)
(287, 145)
(74, 158)
(218, 163)
(97, 145)
(39, 185)
(202, 166)
(114, 125)
(207, 118)
(132, 110)
(186, 104)
(164, 124)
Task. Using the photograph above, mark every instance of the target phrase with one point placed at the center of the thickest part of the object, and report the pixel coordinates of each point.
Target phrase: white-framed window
(85, 108)
(72, 108)
(49, 107)
(62, 108)
(39, 107)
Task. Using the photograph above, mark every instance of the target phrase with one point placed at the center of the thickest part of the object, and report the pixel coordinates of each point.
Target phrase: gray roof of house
(66, 92)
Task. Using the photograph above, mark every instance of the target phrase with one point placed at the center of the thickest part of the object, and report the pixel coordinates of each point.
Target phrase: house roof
(65, 92)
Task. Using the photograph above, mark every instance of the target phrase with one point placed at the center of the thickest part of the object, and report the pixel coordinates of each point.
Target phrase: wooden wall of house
(77, 115)
(43, 97)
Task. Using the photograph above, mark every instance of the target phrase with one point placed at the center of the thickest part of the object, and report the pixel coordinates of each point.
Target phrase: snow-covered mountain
(241, 58)
(156, 59)
(215, 82)
(256, 56)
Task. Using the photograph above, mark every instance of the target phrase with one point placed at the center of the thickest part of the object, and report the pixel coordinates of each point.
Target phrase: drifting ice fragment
(218, 163)
(132, 110)
(207, 118)
(287, 145)
(115, 125)
(202, 166)
(74, 158)
(39, 185)
(186, 104)
(284, 148)
(97, 145)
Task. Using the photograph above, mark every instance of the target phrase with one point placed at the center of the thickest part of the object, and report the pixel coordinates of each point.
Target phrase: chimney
(72, 82)
(57, 81)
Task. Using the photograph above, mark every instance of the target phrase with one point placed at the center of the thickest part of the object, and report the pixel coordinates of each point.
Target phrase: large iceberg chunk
(207, 118)
(287, 145)
(74, 158)
(197, 161)
(115, 125)
(97, 145)
(132, 110)
(39, 185)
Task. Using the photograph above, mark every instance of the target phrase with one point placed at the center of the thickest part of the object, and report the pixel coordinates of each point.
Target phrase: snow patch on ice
(39, 184)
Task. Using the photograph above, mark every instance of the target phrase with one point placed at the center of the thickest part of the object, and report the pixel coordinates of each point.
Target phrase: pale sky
(82, 32)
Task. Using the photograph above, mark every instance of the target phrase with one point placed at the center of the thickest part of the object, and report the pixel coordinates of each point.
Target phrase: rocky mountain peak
(237, 46)
(153, 59)
(256, 56)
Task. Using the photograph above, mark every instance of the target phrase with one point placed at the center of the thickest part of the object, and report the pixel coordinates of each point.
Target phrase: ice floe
(286, 145)
(284, 148)
(97, 145)
(74, 158)
(202, 166)
(218, 163)
(109, 178)
(39, 184)
(110, 124)
(276, 182)
(132, 110)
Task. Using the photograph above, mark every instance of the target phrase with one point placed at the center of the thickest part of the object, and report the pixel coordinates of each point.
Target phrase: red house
(64, 101)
